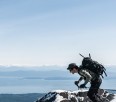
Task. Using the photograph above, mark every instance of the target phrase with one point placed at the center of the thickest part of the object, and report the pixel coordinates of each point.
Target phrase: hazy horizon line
(25, 65)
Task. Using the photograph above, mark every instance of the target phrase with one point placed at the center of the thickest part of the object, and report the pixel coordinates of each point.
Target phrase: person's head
(73, 68)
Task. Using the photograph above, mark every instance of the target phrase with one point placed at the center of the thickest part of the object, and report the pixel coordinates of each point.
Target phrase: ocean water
(43, 81)
(21, 85)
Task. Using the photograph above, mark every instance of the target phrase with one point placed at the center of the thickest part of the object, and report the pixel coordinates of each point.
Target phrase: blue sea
(18, 85)
(43, 81)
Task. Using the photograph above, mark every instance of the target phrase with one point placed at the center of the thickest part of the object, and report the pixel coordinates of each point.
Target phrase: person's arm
(87, 76)
(77, 82)
(80, 79)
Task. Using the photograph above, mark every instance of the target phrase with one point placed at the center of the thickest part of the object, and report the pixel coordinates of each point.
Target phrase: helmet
(71, 66)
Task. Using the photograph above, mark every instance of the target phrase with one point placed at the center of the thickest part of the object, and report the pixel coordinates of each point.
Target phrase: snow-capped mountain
(75, 96)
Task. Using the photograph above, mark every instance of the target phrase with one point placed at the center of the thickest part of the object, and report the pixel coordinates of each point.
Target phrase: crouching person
(87, 76)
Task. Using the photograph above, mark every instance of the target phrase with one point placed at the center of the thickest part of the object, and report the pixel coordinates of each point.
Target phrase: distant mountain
(20, 97)
(36, 72)
(34, 68)
(45, 72)
(110, 68)
(77, 96)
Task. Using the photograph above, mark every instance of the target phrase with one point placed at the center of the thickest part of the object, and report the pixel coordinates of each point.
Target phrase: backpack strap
(89, 55)
(105, 72)
(84, 57)
(81, 55)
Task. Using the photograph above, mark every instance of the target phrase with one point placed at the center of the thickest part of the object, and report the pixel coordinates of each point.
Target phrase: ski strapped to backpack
(93, 66)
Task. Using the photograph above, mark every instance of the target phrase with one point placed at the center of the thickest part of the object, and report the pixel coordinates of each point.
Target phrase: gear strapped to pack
(93, 66)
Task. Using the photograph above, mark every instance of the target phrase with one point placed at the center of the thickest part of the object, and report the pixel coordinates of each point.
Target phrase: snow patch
(58, 98)
(80, 90)
(114, 100)
(59, 91)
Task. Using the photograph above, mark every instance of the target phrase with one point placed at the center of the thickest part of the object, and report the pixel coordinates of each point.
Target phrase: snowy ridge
(74, 96)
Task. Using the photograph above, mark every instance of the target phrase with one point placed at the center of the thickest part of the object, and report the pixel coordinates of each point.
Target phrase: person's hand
(76, 83)
(82, 86)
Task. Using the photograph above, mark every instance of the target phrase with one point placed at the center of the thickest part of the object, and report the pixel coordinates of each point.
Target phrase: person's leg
(92, 93)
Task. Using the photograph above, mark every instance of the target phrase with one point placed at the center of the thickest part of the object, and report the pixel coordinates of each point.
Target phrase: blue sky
(53, 32)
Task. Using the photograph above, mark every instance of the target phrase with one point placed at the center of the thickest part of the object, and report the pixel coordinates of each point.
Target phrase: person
(87, 76)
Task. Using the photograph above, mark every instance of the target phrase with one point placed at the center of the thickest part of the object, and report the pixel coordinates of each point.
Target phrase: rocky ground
(75, 96)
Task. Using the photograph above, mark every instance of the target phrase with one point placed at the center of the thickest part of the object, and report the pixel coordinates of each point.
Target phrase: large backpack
(93, 66)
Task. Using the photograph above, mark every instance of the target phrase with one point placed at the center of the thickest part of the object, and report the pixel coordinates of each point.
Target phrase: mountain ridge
(74, 96)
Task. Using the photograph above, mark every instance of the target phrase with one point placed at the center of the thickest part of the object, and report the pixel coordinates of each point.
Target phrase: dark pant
(92, 93)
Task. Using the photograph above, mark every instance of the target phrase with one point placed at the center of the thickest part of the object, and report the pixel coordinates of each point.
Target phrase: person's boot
(105, 99)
